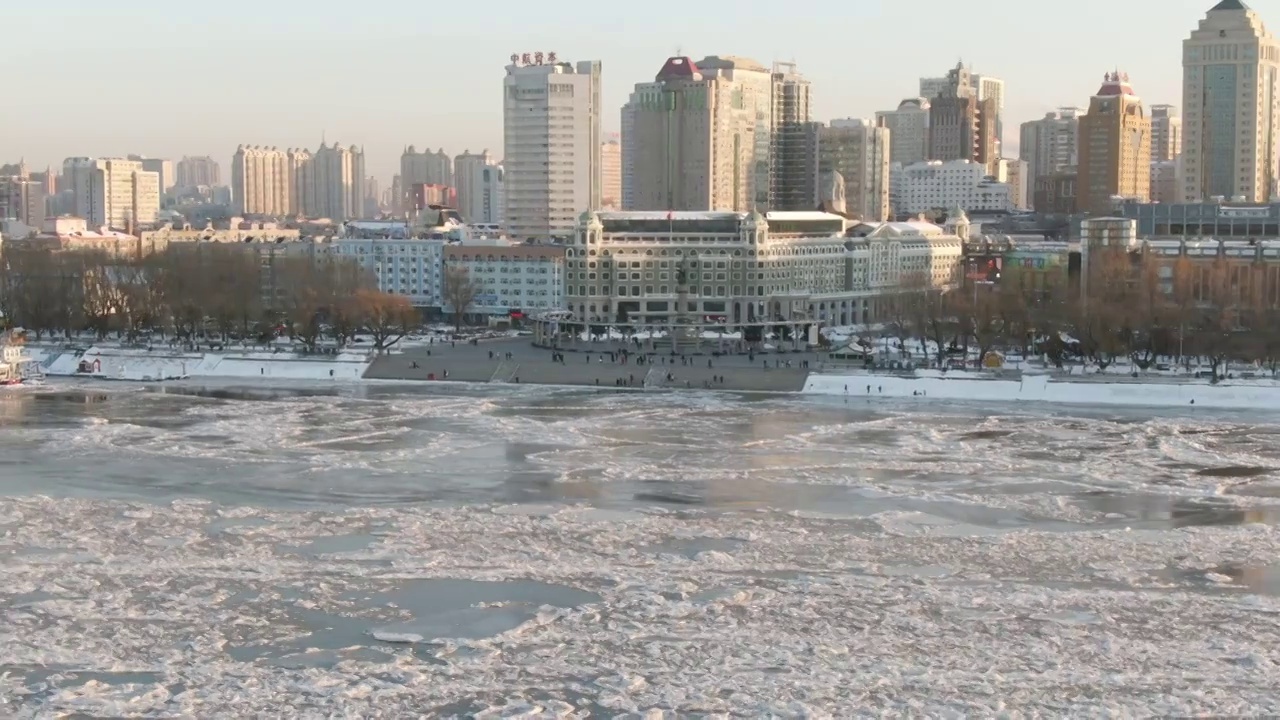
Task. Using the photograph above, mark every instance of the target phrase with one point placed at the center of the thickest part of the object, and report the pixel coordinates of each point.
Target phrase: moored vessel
(16, 367)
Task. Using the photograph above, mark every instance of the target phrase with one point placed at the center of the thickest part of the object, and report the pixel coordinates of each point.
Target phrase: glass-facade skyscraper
(1231, 66)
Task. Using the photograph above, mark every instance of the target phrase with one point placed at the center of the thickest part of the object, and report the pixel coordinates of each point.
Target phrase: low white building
(510, 278)
(669, 268)
(937, 186)
(403, 266)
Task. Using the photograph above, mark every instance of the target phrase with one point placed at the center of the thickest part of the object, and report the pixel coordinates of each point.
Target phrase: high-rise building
(1115, 148)
(426, 167)
(986, 88)
(372, 197)
(338, 176)
(628, 156)
(112, 192)
(197, 171)
(961, 125)
(991, 88)
(551, 142)
(908, 130)
(22, 199)
(161, 167)
(1164, 181)
(479, 187)
(1014, 173)
(260, 181)
(328, 183)
(793, 161)
(300, 182)
(1230, 81)
(395, 204)
(1049, 145)
(859, 152)
(702, 136)
(611, 174)
(1166, 133)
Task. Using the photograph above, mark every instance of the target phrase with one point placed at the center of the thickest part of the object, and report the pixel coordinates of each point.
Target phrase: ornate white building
(667, 268)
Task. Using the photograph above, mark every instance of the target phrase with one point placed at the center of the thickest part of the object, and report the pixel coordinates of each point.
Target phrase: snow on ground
(175, 610)
(961, 385)
(133, 364)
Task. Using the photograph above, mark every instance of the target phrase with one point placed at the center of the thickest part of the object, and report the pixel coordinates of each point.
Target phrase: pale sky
(167, 79)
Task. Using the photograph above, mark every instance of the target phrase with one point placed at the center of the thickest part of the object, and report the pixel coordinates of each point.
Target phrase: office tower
(551, 138)
(162, 168)
(1230, 65)
(1115, 148)
(197, 171)
(479, 187)
(1166, 133)
(908, 130)
(962, 126)
(112, 192)
(793, 162)
(611, 173)
(1048, 145)
(702, 136)
(859, 152)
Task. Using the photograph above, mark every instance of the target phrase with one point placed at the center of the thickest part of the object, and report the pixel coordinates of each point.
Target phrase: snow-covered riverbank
(142, 365)
(1114, 390)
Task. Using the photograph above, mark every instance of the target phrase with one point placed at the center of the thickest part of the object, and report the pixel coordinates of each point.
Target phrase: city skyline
(1041, 73)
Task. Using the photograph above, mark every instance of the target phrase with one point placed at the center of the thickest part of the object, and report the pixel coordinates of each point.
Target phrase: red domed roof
(678, 67)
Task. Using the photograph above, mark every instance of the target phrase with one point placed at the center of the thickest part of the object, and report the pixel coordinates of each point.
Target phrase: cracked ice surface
(192, 609)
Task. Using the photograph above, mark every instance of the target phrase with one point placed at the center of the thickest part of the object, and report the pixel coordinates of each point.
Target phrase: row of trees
(199, 293)
(1123, 305)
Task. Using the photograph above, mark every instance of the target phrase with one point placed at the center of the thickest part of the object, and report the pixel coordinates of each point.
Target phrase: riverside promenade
(517, 360)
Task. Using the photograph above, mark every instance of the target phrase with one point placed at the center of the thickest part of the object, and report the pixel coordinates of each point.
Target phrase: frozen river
(392, 551)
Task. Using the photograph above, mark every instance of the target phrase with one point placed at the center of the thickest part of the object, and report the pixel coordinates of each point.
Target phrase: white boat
(16, 367)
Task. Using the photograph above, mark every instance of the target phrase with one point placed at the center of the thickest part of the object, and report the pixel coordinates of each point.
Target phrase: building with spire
(1230, 86)
(962, 125)
(985, 87)
(1115, 148)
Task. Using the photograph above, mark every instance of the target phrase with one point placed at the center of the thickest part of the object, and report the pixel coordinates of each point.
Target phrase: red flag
(671, 214)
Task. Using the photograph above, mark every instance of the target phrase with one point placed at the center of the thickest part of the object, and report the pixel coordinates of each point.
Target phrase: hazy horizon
(402, 73)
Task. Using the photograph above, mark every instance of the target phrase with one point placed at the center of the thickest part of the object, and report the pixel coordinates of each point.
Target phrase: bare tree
(459, 292)
(388, 318)
(303, 297)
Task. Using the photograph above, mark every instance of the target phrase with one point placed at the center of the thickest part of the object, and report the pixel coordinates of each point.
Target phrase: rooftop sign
(534, 58)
